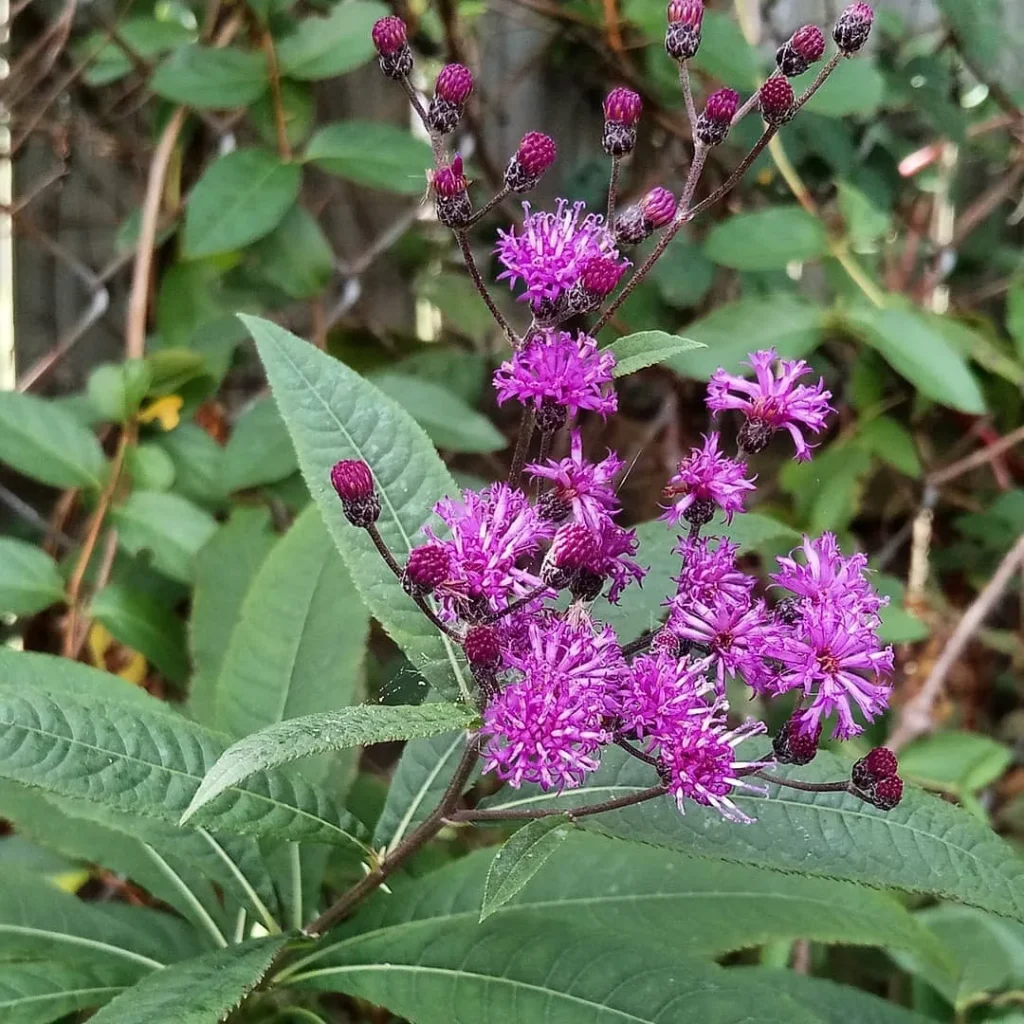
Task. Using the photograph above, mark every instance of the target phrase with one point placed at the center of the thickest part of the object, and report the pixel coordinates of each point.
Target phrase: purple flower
(736, 636)
(548, 727)
(581, 559)
(613, 560)
(837, 663)
(549, 253)
(555, 369)
(704, 479)
(662, 694)
(774, 400)
(701, 765)
(490, 531)
(582, 487)
(709, 573)
(828, 577)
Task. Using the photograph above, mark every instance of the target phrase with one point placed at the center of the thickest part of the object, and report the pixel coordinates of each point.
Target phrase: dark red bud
(574, 547)
(536, 153)
(352, 479)
(666, 642)
(887, 793)
(482, 645)
(853, 27)
(623, 105)
(809, 43)
(776, 100)
(389, 35)
(877, 764)
(713, 124)
(428, 565)
(792, 745)
(450, 181)
(658, 207)
(600, 275)
(454, 84)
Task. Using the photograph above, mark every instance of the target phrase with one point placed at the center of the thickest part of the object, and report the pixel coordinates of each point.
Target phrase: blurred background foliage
(147, 469)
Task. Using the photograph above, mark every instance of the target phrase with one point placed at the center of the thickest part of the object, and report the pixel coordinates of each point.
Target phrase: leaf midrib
(74, 741)
(59, 937)
(99, 990)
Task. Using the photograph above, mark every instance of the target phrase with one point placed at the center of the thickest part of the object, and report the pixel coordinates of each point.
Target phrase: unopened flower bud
(853, 28)
(452, 89)
(552, 507)
(575, 546)
(701, 512)
(714, 122)
(451, 195)
(804, 48)
(599, 276)
(776, 99)
(638, 222)
(551, 416)
(482, 644)
(877, 764)
(754, 436)
(428, 566)
(353, 481)
(536, 153)
(389, 37)
(682, 37)
(793, 746)
(886, 793)
(666, 642)
(622, 108)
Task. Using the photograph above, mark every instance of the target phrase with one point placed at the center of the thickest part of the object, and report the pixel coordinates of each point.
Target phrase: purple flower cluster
(517, 574)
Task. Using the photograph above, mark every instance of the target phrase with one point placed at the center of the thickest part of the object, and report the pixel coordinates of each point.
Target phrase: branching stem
(572, 813)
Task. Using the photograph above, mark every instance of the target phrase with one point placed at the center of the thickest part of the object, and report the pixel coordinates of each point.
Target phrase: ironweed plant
(584, 818)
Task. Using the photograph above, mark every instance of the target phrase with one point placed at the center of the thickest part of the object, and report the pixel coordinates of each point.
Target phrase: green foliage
(116, 390)
(29, 578)
(325, 47)
(40, 991)
(376, 155)
(209, 79)
(260, 450)
(767, 240)
(297, 738)
(296, 256)
(637, 351)
(520, 859)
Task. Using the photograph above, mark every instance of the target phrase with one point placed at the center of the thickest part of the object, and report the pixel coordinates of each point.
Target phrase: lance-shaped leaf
(522, 971)
(204, 990)
(520, 859)
(332, 413)
(924, 845)
(40, 991)
(29, 578)
(149, 763)
(646, 348)
(317, 734)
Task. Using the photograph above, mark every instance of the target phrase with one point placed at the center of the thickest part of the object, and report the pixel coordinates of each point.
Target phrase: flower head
(353, 482)
(662, 695)
(682, 37)
(490, 532)
(555, 369)
(702, 766)
(704, 479)
(390, 40)
(426, 568)
(454, 83)
(709, 573)
(773, 400)
(776, 100)
(583, 488)
(451, 195)
(804, 48)
(536, 153)
(715, 120)
(853, 28)
(551, 249)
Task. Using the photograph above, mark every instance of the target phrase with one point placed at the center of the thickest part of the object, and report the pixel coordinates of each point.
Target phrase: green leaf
(198, 463)
(695, 907)
(173, 368)
(920, 354)
(521, 971)
(855, 87)
(373, 154)
(978, 344)
(241, 197)
(636, 351)
(422, 775)
(260, 450)
(38, 919)
(296, 738)
(463, 373)
(333, 413)
(864, 221)
(890, 441)
(831, 1003)
(225, 570)
(145, 625)
(925, 845)
(297, 108)
(1015, 314)
(296, 256)
(291, 653)
(200, 991)
(683, 275)
(40, 991)
(790, 325)
(167, 527)
(147, 38)
(724, 53)
(984, 30)
(211, 79)
(150, 467)
(460, 304)
(767, 239)
(29, 578)
(45, 442)
(449, 422)
(957, 762)
(520, 859)
(325, 47)
(754, 530)
(142, 759)
(116, 390)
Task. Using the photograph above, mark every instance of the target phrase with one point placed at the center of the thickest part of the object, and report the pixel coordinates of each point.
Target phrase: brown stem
(284, 148)
(519, 603)
(474, 273)
(805, 787)
(733, 180)
(572, 813)
(640, 643)
(523, 439)
(500, 196)
(416, 839)
(638, 754)
(613, 190)
(684, 83)
(826, 69)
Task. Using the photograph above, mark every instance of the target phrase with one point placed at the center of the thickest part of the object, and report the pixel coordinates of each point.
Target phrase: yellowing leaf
(131, 665)
(166, 411)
